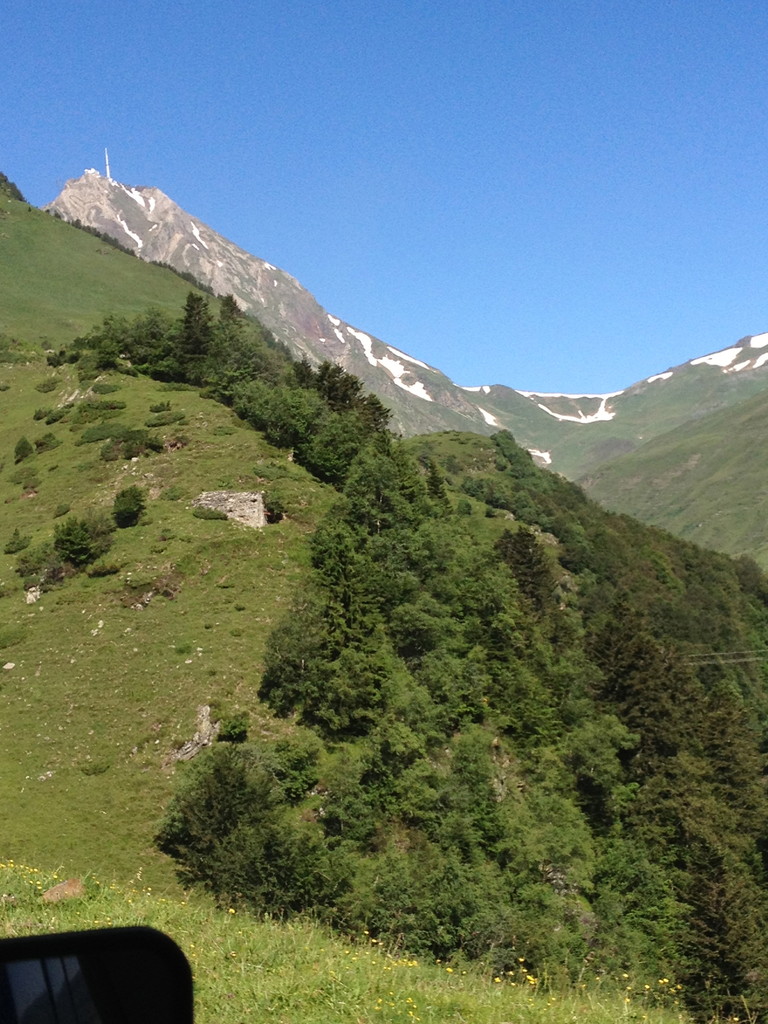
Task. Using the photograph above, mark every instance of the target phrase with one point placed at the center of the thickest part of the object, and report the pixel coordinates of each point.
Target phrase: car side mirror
(109, 976)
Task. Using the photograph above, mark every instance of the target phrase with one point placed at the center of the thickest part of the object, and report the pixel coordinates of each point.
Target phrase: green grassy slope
(99, 693)
(250, 969)
(645, 411)
(57, 281)
(705, 481)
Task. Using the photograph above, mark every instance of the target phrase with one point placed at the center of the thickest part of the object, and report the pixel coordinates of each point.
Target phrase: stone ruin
(245, 507)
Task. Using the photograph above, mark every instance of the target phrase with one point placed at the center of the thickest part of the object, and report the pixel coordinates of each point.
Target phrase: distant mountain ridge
(572, 434)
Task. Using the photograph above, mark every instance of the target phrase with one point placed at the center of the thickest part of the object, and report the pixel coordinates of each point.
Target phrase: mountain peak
(572, 433)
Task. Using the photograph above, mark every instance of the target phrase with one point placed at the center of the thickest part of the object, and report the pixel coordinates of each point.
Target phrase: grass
(254, 969)
(704, 481)
(85, 279)
(105, 673)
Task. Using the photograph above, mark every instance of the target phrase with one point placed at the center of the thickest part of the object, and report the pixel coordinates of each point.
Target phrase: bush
(49, 384)
(47, 443)
(16, 543)
(235, 728)
(58, 414)
(41, 566)
(128, 506)
(83, 540)
(40, 414)
(22, 450)
(60, 510)
(164, 419)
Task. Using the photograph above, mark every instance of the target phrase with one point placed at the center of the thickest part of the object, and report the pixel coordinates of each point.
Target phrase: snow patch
(91, 170)
(739, 366)
(760, 361)
(417, 389)
(723, 359)
(131, 234)
(196, 233)
(546, 457)
(659, 376)
(463, 388)
(219, 263)
(274, 283)
(758, 341)
(151, 203)
(603, 413)
(340, 336)
(560, 394)
(154, 227)
(136, 196)
(394, 366)
(410, 359)
(367, 344)
(489, 418)
(333, 320)
(269, 266)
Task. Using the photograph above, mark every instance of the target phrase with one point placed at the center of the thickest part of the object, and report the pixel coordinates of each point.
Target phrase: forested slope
(506, 725)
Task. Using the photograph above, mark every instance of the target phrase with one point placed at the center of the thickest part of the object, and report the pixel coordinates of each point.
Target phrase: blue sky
(566, 195)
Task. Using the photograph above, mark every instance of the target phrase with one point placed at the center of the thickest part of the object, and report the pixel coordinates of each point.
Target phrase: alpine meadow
(422, 734)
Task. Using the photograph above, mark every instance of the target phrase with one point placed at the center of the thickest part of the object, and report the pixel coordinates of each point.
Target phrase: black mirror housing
(108, 976)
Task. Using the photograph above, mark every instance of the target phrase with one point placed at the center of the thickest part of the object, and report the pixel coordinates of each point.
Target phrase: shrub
(58, 414)
(83, 540)
(234, 729)
(22, 450)
(164, 419)
(102, 388)
(160, 407)
(128, 506)
(61, 510)
(41, 566)
(40, 414)
(47, 443)
(102, 569)
(16, 543)
(49, 384)
(27, 477)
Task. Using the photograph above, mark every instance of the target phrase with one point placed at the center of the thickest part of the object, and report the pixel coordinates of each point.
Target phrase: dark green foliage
(22, 450)
(234, 729)
(124, 443)
(229, 826)
(47, 443)
(80, 540)
(41, 566)
(163, 419)
(128, 506)
(58, 414)
(47, 385)
(9, 189)
(40, 414)
(520, 751)
(17, 542)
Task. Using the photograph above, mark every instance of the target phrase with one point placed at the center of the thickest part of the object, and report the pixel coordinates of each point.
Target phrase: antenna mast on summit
(106, 161)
